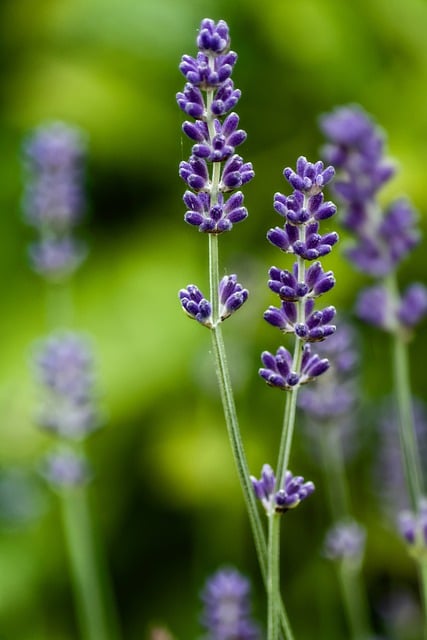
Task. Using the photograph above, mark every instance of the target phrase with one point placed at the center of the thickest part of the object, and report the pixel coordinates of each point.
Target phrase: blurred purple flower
(345, 541)
(227, 612)
(64, 368)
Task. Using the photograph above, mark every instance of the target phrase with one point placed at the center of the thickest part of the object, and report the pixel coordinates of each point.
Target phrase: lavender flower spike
(54, 198)
(64, 367)
(277, 370)
(208, 98)
(231, 297)
(226, 614)
(294, 490)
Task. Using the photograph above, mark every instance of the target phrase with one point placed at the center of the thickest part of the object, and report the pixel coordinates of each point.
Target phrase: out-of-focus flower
(227, 612)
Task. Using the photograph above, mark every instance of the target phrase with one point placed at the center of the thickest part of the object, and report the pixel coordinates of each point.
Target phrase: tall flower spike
(227, 611)
(54, 199)
(299, 288)
(65, 371)
(208, 98)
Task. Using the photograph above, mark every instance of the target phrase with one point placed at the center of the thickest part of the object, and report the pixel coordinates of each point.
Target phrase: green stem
(241, 462)
(273, 589)
(354, 599)
(93, 601)
(334, 472)
(407, 435)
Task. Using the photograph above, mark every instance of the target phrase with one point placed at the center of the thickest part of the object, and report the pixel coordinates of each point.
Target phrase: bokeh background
(166, 495)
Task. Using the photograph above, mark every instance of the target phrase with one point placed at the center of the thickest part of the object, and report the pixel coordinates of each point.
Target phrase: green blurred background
(168, 503)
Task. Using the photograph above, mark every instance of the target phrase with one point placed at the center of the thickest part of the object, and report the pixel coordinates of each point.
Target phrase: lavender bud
(294, 490)
(195, 305)
(231, 296)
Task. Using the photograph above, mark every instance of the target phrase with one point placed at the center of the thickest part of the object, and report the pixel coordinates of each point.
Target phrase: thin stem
(241, 462)
(273, 589)
(334, 472)
(91, 593)
(407, 435)
(354, 599)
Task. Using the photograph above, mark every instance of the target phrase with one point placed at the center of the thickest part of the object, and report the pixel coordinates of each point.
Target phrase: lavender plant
(382, 239)
(297, 315)
(63, 362)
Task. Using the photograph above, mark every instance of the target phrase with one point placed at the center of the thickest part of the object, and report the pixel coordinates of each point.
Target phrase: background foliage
(167, 497)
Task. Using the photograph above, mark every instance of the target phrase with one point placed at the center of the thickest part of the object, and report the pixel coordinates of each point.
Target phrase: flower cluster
(287, 497)
(226, 614)
(299, 289)
(54, 198)
(382, 239)
(231, 297)
(64, 369)
(345, 541)
(214, 132)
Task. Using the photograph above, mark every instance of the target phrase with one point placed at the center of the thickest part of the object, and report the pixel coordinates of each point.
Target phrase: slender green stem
(93, 600)
(273, 589)
(241, 463)
(354, 599)
(334, 472)
(407, 435)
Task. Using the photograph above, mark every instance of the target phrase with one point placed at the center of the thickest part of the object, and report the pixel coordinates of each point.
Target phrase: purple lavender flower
(277, 370)
(64, 368)
(54, 199)
(215, 133)
(287, 497)
(66, 469)
(195, 305)
(227, 612)
(345, 541)
(413, 528)
(298, 289)
(231, 296)
(376, 306)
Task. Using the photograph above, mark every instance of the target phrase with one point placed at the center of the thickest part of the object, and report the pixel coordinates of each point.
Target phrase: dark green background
(166, 494)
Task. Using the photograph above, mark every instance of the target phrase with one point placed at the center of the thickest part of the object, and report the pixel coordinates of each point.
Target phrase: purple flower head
(316, 327)
(215, 218)
(214, 134)
(345, 541)
(195, 305)
(64, 367)
(287, 497)
(375, 305)
(277, 370)
(213, 38)
(231, 296)
(54, 158)
(227, 611)
(66, 469)
(413, 528)
(382, 238)
(309, 178)
(356, 145)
